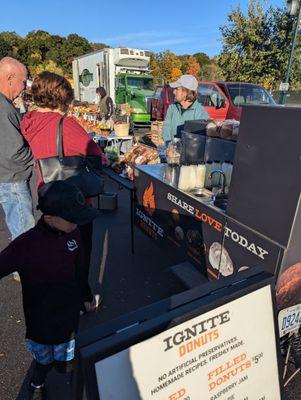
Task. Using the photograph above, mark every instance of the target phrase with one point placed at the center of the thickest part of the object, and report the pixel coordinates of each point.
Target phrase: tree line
(39, 50)
(255, 48)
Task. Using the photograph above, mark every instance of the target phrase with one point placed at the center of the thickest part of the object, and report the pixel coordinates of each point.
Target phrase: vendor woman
(185, 108)
(105, 104)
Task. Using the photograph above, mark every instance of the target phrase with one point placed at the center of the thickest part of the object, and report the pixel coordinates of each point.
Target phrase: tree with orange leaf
(175, 74)
(193, 66)
(168, 61)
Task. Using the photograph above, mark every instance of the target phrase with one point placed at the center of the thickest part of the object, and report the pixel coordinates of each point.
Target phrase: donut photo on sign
(179, 233)
(288, 292)
(194, 238)
(219, 259)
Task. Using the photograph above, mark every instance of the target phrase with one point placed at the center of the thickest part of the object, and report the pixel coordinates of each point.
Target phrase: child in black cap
(50, 262)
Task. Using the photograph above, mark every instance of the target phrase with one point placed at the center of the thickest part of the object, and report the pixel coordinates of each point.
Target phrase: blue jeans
(47, 354)
(16, 201)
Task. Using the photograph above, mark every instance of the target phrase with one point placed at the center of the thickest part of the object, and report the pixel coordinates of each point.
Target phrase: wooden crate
(157, 126)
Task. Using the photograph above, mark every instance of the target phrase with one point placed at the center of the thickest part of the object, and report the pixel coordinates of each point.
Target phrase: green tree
(99, 46)
(212, 72)
(256, 46)
(4, 48)
(37, 45)
(202, 58)
(184, 59)
(55, 48)
(14, 42)
(49, 65)
(73, 46)
(206, 65)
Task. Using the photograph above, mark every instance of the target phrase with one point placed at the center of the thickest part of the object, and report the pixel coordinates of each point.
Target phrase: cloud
(136, 36)
(199, 37)
(168, 42)
(148, 39)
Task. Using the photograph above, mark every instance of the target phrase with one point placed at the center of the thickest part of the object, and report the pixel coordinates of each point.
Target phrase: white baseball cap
(187, 81)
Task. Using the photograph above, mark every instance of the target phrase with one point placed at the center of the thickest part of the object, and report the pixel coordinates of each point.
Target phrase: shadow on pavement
(23, 393)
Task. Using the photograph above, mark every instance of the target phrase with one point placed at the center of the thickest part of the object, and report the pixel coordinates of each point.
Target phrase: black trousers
(86, 235)
(41, 371)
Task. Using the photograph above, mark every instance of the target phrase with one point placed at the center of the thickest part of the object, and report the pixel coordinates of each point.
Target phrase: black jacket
(50, 266)
(16, 160)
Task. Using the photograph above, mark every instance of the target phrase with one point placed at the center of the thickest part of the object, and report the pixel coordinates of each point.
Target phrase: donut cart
(256, 221)
(197, 225)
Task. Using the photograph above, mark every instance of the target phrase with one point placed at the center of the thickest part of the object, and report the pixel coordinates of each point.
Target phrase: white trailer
(101, 67)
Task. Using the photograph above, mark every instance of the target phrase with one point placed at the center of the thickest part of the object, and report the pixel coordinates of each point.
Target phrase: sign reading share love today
(228, 353)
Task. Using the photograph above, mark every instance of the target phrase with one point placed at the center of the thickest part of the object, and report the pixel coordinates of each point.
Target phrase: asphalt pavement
(127, 282)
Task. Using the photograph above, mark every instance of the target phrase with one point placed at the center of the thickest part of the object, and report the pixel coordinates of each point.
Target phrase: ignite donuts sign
(215, 354)
(196, 335)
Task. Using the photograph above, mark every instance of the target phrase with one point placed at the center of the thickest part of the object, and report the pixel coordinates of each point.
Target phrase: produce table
(128, 185)
(124, 142)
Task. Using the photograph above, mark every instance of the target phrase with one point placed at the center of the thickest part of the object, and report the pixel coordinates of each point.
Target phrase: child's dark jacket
(50, 266)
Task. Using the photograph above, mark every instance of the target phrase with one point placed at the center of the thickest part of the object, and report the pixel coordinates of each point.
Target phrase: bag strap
(59, 139)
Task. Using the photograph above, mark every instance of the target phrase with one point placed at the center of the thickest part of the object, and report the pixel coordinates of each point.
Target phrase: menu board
(227, 353)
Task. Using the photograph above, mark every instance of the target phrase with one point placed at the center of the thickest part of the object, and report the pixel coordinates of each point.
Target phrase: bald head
(13, 76)
(9, 64)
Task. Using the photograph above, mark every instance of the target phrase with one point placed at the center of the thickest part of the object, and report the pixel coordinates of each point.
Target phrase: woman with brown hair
(185, 108)
(53, 95)
(104, 103)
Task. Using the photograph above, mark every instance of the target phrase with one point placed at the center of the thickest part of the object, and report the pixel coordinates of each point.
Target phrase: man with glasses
(16, 159)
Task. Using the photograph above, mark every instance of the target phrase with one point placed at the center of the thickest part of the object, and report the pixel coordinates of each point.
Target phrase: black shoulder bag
(82, 171)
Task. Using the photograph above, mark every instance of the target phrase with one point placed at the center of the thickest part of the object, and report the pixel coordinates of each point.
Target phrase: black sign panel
(197, 341)
(197, 232)
(265, 188)
(178, 221)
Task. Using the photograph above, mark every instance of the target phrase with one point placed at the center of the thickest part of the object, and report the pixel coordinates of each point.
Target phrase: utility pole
(294, 8)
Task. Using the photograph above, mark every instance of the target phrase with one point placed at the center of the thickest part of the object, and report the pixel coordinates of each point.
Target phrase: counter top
(162, 172)
(170, 176)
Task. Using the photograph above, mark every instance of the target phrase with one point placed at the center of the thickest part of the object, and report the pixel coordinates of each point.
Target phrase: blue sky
(179, 25)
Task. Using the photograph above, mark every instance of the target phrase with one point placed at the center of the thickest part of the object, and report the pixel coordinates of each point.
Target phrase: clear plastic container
(200, 176)
(227, 168)
(173, 152)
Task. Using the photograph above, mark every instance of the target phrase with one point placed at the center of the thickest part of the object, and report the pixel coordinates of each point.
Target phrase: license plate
(289, 319)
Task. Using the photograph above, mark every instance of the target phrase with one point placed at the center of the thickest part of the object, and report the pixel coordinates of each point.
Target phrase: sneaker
(91, 306)
(36, 392)
(16, 277)
(97, 300)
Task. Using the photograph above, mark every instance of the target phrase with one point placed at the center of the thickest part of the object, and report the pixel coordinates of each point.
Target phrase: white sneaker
(16, 277)
(93, 305)
(97, 300)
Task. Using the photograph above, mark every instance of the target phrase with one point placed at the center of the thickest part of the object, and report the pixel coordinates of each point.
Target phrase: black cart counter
(193, 229)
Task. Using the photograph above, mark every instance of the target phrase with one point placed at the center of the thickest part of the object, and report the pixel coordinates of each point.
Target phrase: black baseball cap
(64, 200)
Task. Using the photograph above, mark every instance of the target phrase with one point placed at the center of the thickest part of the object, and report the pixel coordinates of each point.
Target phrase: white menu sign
(228, 353)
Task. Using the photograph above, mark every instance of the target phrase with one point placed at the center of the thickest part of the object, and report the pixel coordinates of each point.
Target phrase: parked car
(161, 100)
(154, 102)
(222, 100)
